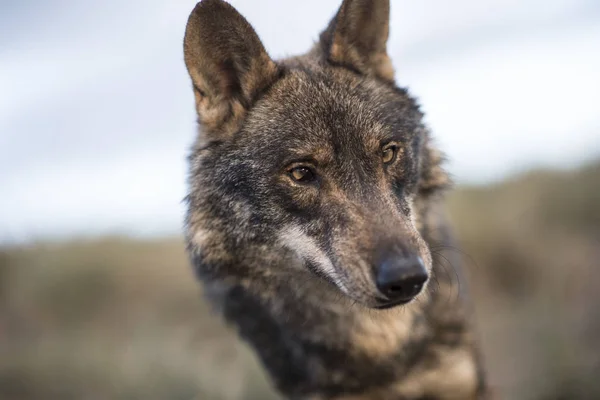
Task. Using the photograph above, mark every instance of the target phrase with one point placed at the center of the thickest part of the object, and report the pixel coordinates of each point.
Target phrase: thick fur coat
(309, 176)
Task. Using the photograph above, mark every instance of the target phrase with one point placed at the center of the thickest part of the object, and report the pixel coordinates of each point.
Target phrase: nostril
(396, 289)
(405, 290)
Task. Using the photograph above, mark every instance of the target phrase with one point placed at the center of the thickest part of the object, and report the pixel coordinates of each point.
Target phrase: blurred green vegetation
(533, 254)
(116, 318)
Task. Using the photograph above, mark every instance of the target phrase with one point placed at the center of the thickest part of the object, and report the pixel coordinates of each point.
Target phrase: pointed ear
(228, 65)
(357, 38)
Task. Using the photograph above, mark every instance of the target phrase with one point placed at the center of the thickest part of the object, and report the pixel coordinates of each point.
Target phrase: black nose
(401, 278)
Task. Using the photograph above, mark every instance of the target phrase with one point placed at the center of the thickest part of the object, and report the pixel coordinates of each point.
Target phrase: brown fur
(292, 264)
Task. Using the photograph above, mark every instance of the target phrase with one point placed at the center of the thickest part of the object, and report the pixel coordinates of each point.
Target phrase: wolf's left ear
(357, 38)
(228, 65)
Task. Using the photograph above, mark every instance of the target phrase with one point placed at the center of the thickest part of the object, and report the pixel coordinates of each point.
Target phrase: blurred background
(97, 300)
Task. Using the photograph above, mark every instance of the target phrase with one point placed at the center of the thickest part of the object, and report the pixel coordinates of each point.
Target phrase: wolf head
(317, 163)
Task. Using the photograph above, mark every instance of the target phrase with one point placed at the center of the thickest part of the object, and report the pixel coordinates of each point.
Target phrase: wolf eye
(302, 174)
(388, 153)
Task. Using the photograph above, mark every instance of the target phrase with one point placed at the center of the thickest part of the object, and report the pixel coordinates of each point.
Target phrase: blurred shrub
(534, 247)
(123, 319)
(116, 319)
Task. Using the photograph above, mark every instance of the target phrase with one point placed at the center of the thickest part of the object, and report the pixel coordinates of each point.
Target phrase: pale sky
(97, 115)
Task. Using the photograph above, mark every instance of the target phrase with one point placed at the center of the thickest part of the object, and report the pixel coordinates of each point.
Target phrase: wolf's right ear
(228, 65)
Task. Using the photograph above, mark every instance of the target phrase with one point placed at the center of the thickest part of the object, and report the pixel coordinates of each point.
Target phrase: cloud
(138, 194)
(515, 104)
(96, 115)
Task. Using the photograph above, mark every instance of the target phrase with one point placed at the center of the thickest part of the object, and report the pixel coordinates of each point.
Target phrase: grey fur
(289, 263)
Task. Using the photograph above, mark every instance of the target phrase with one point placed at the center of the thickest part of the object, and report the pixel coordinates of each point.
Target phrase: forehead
(330, 111)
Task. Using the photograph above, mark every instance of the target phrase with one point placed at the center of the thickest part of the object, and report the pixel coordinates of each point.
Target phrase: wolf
(315, 213)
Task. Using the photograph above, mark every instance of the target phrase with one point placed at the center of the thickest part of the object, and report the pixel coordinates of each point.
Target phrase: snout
(399, 279)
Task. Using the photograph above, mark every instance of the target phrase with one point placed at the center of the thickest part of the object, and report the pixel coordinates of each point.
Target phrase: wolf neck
(312, 338)
(322, 342)
(321, 314)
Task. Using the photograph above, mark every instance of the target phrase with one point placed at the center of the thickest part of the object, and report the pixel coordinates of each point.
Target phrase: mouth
(386, 304)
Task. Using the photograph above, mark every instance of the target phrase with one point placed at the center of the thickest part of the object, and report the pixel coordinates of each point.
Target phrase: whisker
(445, 267)
(439, 246)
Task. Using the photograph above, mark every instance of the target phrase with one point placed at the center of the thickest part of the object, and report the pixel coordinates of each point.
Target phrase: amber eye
(388, 153)
(302, 174)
